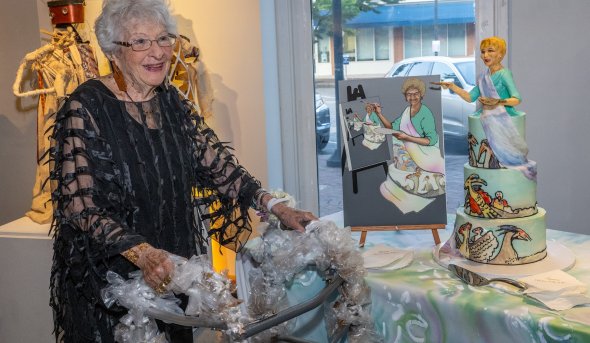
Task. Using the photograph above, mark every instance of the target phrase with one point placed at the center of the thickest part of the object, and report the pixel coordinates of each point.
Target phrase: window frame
(493, 13)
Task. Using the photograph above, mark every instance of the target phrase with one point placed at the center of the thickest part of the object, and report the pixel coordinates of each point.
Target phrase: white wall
(19, 35)
(549, 47)
(229, 35)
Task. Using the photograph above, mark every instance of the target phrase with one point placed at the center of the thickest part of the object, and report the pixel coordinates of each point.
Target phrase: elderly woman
(420, 115)
(497, 93)
(415, 128)
(127, 155)
(372, 139)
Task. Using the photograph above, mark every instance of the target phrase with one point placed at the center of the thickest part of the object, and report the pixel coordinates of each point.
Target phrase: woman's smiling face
(491, 56)
(144, 70)
(413, 96)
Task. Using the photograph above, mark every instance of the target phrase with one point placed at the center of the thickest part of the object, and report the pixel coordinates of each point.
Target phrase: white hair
(110, 25)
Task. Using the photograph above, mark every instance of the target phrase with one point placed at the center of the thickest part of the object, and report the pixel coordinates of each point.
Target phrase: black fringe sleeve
(225, 186)
(89, 226)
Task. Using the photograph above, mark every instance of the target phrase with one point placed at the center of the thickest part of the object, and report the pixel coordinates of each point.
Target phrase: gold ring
(167, 280)
(160, 289)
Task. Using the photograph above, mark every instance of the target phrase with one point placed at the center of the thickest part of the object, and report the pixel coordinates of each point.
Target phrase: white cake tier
(480, 153)
(501, 241)
(498, 193)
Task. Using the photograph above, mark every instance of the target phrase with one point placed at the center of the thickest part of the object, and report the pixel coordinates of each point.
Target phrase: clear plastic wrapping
(279, 255)
(138, 297)
(209, 296)
(283, 254)
(127, 332)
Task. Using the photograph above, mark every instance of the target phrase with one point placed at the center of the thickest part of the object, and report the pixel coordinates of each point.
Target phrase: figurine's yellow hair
(495, 42)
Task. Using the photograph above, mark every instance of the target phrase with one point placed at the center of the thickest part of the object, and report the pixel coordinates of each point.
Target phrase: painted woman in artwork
(372, 138)
(497, 94)
(416, 140)
(416, 123)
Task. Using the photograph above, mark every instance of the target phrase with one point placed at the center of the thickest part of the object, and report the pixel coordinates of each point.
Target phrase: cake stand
(558, 257)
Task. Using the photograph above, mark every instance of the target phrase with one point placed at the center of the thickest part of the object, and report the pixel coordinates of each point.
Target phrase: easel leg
(436, 237)
(363, 238)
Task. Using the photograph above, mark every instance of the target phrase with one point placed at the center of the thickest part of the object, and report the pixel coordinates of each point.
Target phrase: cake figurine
(500, 222)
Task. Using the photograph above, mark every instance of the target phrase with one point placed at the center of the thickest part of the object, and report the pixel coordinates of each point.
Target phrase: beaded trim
(132, 254)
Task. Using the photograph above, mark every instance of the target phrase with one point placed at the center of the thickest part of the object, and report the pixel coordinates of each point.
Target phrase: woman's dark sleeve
(87, 192)
(232, 188)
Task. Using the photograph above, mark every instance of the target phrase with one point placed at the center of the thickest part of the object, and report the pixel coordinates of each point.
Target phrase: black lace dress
(124, 173)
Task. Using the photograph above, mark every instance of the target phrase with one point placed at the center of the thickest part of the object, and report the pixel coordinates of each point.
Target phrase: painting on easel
(393, 157)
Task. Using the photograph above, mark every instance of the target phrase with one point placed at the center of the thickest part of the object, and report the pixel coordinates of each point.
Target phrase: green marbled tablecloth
(424, 302)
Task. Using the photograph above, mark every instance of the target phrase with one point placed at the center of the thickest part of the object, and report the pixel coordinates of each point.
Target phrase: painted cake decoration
(479, 203)
(485, 157)
(487, 246)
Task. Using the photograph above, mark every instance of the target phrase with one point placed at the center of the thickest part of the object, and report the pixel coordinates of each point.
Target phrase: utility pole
(335, 159)
(436, 46)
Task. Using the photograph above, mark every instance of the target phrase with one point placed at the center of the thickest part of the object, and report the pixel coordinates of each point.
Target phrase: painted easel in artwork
(364, 229)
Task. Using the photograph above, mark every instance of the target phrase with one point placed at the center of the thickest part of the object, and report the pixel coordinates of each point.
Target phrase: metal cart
(312, 329)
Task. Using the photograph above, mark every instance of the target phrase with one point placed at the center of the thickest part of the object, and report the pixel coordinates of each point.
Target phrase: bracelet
(132, 253)
(257, 199)
(273, 202)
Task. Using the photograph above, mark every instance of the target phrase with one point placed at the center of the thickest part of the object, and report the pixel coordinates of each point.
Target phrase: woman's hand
(377, 108)
(293, 218)
(155, 264)
(455, 88)
(157, 268)
(490, 103)
(444, 85)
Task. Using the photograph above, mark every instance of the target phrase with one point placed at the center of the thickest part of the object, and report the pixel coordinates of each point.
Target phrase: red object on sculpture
(66, 11)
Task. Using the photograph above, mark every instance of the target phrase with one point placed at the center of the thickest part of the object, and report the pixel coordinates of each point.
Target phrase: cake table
(424, 302)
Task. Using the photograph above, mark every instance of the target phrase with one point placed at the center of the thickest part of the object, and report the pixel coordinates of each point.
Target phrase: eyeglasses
(412, 94)
(142, 44)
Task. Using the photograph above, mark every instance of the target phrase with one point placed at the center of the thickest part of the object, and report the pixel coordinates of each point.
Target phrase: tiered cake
(500, 222)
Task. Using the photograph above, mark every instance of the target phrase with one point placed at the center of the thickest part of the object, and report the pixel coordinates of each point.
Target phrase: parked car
(322, 122)
(461, 71)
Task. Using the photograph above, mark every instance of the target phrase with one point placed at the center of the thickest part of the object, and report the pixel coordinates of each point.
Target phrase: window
(323, 50)
(381, 44)
(427, 38)
(412, 41)
(420, 68)
(418, 40)
(372, 44)
(402, 70)
(444, 71)
(442, 36)
(457, 42)
(467, 69)
(365, 44)
(349, 45)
